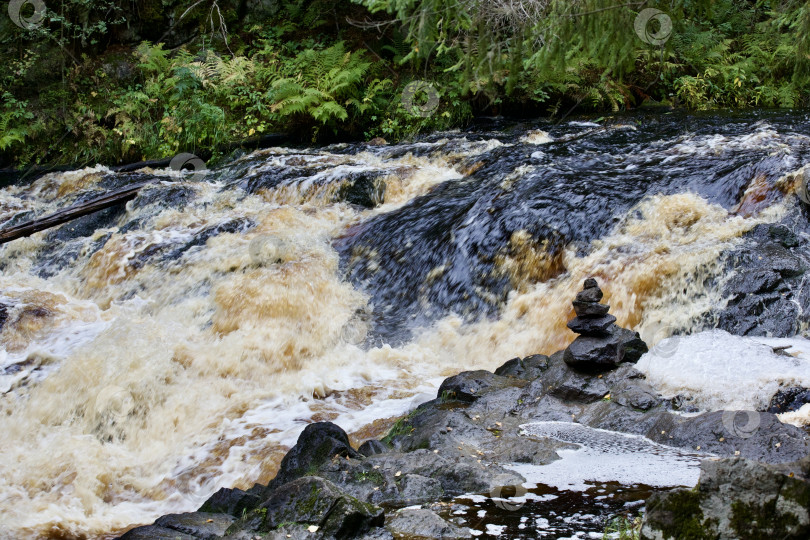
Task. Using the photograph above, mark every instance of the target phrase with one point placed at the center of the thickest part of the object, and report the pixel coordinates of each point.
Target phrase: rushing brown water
(154, 353)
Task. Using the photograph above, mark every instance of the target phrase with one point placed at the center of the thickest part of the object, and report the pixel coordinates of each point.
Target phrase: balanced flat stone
(599, 326)
(590, 309)
(590, 294)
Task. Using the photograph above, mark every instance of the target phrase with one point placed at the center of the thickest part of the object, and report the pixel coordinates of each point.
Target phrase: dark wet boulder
(201, 525)
(154, 532)
(782, 235)
(528, 368)
(766, 294)
(782, 260)
(749, 434)
(423, 523)
(589, 353)
(3, 316)
(635, 394)
(418, 489)
(372, 447)
(363, 189)
(165, 195)
(789, 399)
(230, 501)
(758, 281)
(316, 501)
(735, 498)
(471, 385)
(317, 444)
(632, 344)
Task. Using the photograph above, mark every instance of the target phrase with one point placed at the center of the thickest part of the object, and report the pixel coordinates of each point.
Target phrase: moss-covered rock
(315, 501)
(735, 499)
(317, 444)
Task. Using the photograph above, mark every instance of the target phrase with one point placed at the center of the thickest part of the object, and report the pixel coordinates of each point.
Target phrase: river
(155, 352)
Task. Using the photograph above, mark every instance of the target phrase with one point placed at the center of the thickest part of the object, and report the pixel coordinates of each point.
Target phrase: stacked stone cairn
(601, 345)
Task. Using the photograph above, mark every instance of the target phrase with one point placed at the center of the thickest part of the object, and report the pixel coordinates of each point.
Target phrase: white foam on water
(720, 371)
(607, 456)
(536, 137)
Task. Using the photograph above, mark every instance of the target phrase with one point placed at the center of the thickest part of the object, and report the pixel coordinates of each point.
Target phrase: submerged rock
(363, 189)
(735, 498)
(789, 399)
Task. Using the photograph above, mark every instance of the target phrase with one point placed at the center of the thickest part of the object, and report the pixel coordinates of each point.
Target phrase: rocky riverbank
(489, 437)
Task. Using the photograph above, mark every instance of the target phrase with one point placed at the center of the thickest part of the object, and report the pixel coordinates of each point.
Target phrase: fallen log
(72, 212)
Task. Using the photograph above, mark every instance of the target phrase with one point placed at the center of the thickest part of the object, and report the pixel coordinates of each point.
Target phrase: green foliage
(13, 121)
(737, 53)
(328, 87)
(78, 89)
(401, 427)
(623, 528)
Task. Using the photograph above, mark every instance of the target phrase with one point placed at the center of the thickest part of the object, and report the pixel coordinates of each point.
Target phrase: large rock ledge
(462, 441)
(736, 498)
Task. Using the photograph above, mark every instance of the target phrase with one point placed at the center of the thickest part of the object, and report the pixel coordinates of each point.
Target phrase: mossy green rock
(317, 444)
(315, 501)
(735, 499)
